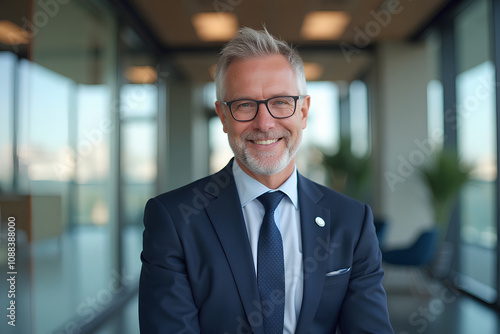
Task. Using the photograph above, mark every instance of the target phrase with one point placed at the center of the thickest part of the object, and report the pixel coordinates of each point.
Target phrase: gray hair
(250, 43)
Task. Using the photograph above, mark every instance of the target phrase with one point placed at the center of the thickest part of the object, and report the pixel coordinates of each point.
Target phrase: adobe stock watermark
(408, 164)
(311, 264)
(45, 11)
(322, 252)
(363, 37)
(200, 199)
(73, 157)
(11, 271)
(421, 318)
(88, 309)
(483, 91)
(95, 137)
(226, 6)
(264, 309)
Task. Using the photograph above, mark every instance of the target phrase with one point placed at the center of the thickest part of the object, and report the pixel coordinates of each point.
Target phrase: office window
(44, 103)
(139, 100)
(8, 64)
(435, 92)
(138, 149)
(322, 131)
(360, 118)
(435, 113)
(62, 108)
(43, 134)
(220, 151)
(476, 140)
(66, 132)
(91, 152)
(323, 119)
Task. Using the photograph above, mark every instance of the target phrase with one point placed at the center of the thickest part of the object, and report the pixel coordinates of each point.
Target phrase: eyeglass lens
(279, 107)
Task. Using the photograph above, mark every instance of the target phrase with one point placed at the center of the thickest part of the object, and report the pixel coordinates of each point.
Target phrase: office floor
(123, 322)
(417, 305)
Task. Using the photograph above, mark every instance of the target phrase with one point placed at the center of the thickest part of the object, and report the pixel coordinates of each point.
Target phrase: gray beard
(257, 164)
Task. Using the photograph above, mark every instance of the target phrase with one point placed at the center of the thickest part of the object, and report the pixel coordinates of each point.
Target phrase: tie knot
(270, 200)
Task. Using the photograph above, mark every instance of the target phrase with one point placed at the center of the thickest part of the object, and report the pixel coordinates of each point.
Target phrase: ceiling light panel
(215, 27)
(324, 25)
(12, 34)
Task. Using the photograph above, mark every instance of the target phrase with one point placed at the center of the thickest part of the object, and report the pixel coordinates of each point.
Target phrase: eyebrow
(250, 98)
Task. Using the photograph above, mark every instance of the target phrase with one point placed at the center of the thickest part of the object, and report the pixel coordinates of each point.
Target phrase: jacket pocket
(337, 277)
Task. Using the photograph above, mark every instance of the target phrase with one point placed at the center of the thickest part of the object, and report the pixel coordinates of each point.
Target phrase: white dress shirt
(287, 218)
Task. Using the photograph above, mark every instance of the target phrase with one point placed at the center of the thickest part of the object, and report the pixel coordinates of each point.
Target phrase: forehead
(259, 77)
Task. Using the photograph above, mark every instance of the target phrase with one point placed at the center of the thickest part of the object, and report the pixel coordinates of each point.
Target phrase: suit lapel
(315, 241)
(227, 219)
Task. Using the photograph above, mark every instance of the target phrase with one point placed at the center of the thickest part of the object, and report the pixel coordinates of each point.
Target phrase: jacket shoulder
(329, 195)
(199, 191)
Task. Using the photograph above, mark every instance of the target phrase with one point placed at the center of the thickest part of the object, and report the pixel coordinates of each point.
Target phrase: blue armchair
(419, 254)
(381, 231)
(413, 258)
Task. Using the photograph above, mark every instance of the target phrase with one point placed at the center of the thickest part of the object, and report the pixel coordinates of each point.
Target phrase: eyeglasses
(245, 110)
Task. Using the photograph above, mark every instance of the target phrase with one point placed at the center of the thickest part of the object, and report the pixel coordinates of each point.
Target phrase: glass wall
(8, 66)
(322, 132)
(138, 120)
(435, 93)
(66, 143)
(323, 116)
(360, 118)
(462, 115)
(79, 145)
(476, 140)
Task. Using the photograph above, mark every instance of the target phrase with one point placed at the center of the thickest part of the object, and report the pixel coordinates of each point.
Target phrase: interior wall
(180, 141)
(401, 127)
(187, 134)
(201, 148)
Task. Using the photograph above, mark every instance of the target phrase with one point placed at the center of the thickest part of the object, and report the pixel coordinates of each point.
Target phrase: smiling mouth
(265, 142)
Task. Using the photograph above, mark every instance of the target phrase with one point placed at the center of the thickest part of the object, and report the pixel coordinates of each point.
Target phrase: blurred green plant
(347, 173)
(444, 176)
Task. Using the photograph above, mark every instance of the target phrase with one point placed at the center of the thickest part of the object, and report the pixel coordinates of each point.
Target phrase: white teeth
(265, 142)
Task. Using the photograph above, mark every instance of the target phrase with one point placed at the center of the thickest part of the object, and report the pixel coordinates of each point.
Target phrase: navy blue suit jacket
(198, 274)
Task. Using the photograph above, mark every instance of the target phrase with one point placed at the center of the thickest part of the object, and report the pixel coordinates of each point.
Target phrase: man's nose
(263, 121)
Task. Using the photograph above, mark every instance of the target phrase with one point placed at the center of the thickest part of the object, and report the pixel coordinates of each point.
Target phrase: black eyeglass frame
(265, 102)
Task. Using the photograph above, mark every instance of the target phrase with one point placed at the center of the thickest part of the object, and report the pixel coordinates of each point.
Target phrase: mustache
(260, 135)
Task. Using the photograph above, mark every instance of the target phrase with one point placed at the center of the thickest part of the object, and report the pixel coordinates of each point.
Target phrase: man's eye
(281, 102)
(244, 105)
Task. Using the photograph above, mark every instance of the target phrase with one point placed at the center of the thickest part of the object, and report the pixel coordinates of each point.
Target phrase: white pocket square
(338, 272)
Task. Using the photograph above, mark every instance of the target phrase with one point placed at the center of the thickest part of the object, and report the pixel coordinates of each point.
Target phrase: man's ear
(219, 109)
(304, 109)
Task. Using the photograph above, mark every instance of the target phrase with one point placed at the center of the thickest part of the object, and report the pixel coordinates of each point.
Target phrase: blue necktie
(271, 266)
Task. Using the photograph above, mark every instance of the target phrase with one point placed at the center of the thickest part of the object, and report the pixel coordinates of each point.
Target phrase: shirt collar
(249, 188)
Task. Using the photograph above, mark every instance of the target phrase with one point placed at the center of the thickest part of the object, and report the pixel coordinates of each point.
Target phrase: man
(258, 248)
